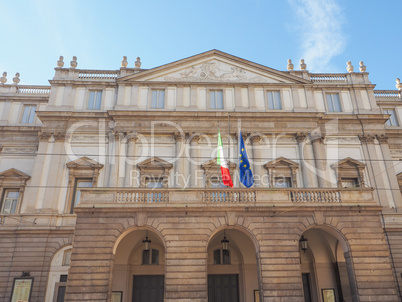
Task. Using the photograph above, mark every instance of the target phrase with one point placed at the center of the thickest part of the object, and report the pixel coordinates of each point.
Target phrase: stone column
(320, 161)
(180, 175)
(306, 161)
(114, 153)
(375, 171)
(257, 159)
(390, 171)
(132, 178)
(195, 172)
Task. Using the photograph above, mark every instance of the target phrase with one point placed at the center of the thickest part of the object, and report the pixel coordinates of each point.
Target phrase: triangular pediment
(14, 173)
(212, 164)
(84, 162)
(281, 162)
(155, 162)
(348, 163)
(214, 67)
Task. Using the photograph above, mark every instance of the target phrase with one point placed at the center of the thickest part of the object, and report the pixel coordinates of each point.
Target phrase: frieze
(19, 150)
(88, 139)
(396, 154)
(343, 140)
(215, 72)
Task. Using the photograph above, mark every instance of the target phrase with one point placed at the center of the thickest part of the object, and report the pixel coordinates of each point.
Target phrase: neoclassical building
(110, 188)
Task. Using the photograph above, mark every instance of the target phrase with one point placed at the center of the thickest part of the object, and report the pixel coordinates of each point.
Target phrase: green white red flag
(226, 179)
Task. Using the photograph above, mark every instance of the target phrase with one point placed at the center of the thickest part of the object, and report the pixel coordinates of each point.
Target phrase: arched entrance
(325, 267)
(139, 268)
(232, 267)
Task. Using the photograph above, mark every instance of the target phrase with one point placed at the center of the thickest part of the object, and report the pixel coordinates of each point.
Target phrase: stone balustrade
(328, 78)
(128, 197)
(23, 89)
(97, 74)
(387, 95)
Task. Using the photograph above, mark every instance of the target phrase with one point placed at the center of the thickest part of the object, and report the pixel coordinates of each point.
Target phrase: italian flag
(226, 179)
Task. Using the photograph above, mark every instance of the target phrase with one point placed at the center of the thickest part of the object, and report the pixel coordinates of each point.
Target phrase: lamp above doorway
(303, 243)
(146, 243)
(225, 242)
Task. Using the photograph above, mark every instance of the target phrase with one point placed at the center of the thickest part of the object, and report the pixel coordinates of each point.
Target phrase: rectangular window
(334, 103)
(10, 200)
(80, 183)
(158, 99)
(28, 116)
(282, 182)
(216, 99)
(392, 121)
(274, 100)
(349, 183)
(95, 100)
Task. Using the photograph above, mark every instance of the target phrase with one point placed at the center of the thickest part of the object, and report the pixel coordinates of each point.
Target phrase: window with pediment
(282, 173)
(213, 174)
(83, 173)
(12, 186)
(349, 173)
(154, 173)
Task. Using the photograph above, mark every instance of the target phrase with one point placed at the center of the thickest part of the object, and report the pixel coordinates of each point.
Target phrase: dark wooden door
(148, 288)
(223, 288)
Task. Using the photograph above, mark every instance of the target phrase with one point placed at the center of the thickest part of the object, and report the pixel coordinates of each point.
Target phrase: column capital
(44, 136)
(301, 137)
(179, 136)
(194, 137)
(382, 138)
(368, 138)
(255, 137)
(131, 136)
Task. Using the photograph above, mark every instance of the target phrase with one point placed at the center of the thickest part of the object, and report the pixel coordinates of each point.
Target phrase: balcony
(259, 197)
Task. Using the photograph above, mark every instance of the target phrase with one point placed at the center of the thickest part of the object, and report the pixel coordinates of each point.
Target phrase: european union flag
(246, 176)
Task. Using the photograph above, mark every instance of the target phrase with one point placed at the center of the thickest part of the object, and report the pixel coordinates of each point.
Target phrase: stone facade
(110, 187)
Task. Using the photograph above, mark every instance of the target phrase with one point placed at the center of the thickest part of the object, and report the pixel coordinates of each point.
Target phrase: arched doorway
(58, 273)
(139, 268)
(232, 267)
(325, 267)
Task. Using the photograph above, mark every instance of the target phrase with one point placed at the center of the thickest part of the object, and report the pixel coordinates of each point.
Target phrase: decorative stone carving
(3, 79)
(16, 79)
(362, 67)
(368, 138)
(124, 62)
(382, 138)
(349, 168)
(74, 63)
(398, 84)
(303, 66)
(301, 137)
(349, 66)
(60, 136)
(44, 136)
(215, 71)
(138, 63)
(60, 62)
(178, 137)
(132, 136)
(18, 150)
(290, 65)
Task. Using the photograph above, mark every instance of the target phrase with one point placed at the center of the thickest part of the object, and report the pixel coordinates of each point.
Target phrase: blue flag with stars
(246, 176)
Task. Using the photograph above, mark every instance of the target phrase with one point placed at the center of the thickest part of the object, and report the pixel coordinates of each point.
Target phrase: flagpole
(238, 142)
(229, 140)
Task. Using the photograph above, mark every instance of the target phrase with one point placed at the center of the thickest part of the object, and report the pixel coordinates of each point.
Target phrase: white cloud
(320, 26)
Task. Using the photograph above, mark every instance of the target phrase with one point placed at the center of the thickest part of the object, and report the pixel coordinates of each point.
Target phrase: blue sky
(326, 33)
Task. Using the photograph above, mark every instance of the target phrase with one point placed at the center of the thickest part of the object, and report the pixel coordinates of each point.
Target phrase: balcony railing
(38, 90)
(98, 74)
(328, 78)
(388, 95)
(116, 197)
